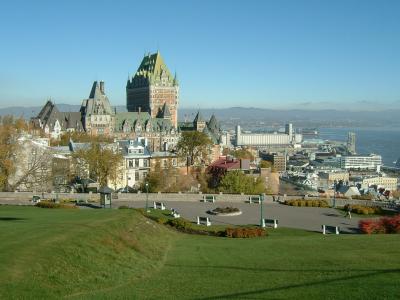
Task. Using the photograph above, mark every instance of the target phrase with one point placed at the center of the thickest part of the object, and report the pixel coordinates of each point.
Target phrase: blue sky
(270, 54)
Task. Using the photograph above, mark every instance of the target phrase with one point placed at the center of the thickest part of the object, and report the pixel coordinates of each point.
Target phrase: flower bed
(383, 225)
(186, 226)
(225, 211)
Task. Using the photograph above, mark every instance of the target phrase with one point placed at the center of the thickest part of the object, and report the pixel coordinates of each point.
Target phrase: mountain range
(260, 116)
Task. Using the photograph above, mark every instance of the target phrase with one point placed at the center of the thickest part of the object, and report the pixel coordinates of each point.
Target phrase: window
(130, 163)
(145, 163)
(137, 176)
(137, 163)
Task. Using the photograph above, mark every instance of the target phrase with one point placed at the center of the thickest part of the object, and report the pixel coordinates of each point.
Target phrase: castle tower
(151, 87)
(97, 114)
(199, 123)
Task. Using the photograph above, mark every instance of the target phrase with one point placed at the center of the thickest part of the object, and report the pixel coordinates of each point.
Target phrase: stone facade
(97, 114)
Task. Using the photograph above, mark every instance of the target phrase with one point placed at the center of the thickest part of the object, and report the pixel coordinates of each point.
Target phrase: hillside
(118, 254)
(55, 253)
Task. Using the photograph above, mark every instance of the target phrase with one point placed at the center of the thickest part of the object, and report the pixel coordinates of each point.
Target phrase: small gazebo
(105, 196)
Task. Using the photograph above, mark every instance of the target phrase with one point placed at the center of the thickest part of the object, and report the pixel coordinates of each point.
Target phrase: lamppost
(147, 196)
(262, 197)
(334, 194)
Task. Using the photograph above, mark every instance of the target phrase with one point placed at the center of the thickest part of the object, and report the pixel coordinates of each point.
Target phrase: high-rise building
(351, 142)
(153, 89)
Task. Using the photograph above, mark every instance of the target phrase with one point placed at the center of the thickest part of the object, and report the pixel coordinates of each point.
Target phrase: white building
(266, 139)
(136, 163)
(389, 183)
(362, 162)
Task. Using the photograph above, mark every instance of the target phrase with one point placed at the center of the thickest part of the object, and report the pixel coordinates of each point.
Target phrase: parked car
(126, 189)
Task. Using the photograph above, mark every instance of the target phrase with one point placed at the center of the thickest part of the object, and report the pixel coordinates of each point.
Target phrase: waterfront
(383, 141)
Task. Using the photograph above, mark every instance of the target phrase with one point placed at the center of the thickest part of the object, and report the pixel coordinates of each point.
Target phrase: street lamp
(262, 223)
(147, 197)
(334, 194)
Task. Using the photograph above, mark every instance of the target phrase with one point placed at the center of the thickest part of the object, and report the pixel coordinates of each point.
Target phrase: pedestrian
(348, 211)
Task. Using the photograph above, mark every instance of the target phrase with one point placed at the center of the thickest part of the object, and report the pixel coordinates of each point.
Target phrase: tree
(7, 150)
(102, 162)
(23, 163)
(242, 154)
(193, 146)
(168, 180)
(236, 182)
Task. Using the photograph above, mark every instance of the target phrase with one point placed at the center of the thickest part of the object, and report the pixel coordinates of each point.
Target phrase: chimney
(102, 86)
(139, 109)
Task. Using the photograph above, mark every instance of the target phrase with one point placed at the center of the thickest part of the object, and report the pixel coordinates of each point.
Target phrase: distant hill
(243, 115)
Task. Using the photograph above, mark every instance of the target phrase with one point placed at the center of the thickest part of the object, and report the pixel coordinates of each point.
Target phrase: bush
(50, 204)
(383, 225)
(307, 203)
(245, 232)
(123, 207)
(362, 197)
(364, 210)
(180, 224)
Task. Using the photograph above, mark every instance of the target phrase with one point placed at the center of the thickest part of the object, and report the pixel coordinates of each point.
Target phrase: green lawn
(119, 254)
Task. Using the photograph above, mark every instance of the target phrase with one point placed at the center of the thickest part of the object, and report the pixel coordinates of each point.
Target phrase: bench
(255, 199)
(330, 229)
(158, 205)
(35, 199)
(209, 198)
(203, 221)
(175, 214)
(270, 222)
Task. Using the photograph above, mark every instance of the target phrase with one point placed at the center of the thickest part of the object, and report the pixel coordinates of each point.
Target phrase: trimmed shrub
(383, 225)
(50, 204)
(307, 203)
(364, 210)
(123, 207)
(180, 224)
(362, 197)
(245, 232)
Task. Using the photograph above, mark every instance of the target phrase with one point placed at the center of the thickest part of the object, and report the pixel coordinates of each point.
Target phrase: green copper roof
(153, 70)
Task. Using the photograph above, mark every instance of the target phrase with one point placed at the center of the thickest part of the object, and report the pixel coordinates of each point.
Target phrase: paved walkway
(308, 218)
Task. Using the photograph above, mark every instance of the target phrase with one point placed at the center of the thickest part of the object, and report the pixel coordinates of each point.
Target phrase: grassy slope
(287, 264)
(52, 253)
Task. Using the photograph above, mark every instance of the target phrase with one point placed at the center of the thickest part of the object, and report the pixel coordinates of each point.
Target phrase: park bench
(35, 199)
(203, 221)
(270, 222)
(330, 229)
(158, 205)
(255, 199)
(175, 214)
(209, 198)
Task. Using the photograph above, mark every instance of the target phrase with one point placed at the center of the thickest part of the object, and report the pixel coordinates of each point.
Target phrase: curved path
(308, 218)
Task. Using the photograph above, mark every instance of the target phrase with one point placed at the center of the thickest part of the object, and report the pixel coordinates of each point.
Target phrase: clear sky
(270, 54)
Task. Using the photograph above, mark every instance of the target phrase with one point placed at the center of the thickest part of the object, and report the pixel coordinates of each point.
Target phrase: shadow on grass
(294, 286)
(89, 205)
(11, 219)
